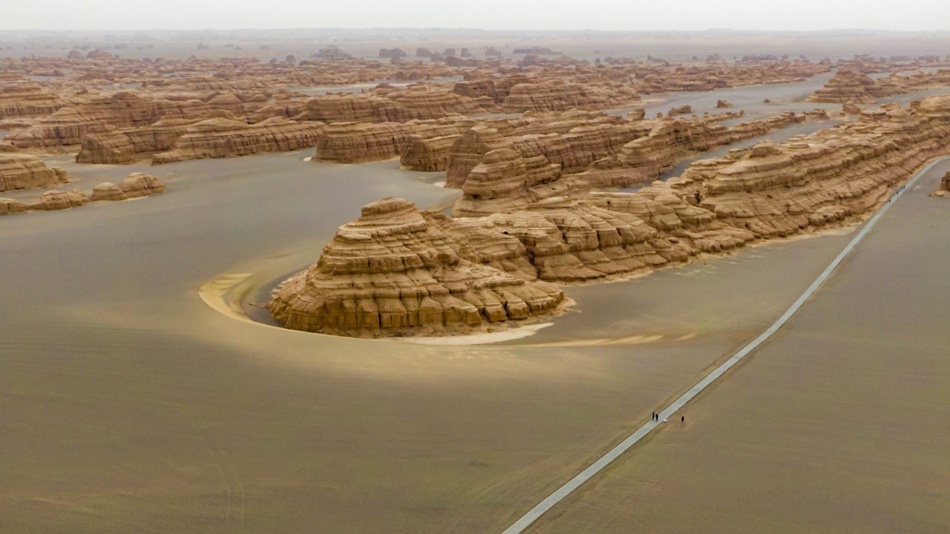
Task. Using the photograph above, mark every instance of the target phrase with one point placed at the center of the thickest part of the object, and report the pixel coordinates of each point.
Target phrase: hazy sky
(484, 14)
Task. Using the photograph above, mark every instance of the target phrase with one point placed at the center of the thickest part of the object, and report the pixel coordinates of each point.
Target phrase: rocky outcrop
(612, 153)
(67, 126)
(23, 171)
(833, 175)
(9, 206)
(27, 100)
(396, 271)
(427, 155)
(224, 138)
(388, 104)
(128, 145)
(556, 95)
(847, 86)
(354, 142)
(59, 200)
(135, 185)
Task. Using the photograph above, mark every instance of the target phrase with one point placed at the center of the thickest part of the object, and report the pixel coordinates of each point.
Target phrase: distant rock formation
(360, 142)
(398, 271)
(27, 100)
(557, 95)
(685, 109)
(24, 171)
(67, 126)
(135, 185)
(224, 138)
(388, 105)
(723, 104)
(59, 200)
(847, 86)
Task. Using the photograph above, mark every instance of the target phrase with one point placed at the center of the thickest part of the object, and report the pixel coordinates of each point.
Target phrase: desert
(416, 280)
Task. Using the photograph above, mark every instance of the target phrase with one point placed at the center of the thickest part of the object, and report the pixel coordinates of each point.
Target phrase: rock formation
(59, 200)
(556, 95)
(398, 271)
(355, 142)
(23, 171)
(135, 185)
(27, 100)
(847, 86)
(128, 145)
(223, 138)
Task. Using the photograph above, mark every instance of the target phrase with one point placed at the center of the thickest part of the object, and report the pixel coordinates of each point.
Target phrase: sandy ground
(839, 423)
(129, 404)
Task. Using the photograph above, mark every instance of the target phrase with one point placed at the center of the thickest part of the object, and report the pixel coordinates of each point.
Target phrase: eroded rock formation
(24, 171)
(396, 270)
(135, 185)
(223, 138)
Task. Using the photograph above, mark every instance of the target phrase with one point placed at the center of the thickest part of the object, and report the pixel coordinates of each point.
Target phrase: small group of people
(656, 417)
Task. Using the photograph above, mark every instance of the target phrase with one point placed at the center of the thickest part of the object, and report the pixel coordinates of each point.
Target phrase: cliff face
(394, 270)
(23, 171)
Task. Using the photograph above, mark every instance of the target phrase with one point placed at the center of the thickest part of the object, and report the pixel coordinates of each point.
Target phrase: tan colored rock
(353, 142)
(224, 138)
(27, 100)
(9, 206)
(128, 145)
(847, 86)
(139, 184)
(67, 126)
(24, 171)
(59, 200)
(107, 191)
(396, 271)
(556, 95)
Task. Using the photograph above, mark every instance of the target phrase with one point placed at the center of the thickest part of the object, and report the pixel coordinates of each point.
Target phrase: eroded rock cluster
(559, 231)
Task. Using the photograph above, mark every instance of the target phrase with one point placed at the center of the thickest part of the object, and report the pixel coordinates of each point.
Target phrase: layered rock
(224, 138)
(388, 104)
(59, 200)
(354, 142)
(128, 145)
(556, 95)
(24, 171)
(847, 86)
(397, 271)
(135, 185)
(67, 126)
(27, 100)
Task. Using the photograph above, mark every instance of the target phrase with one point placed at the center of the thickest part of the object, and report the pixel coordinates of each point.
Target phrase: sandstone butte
(396, 270)
(373, 278)
(24, 171)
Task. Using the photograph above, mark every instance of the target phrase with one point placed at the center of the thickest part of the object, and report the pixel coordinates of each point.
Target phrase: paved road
(526, 520)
